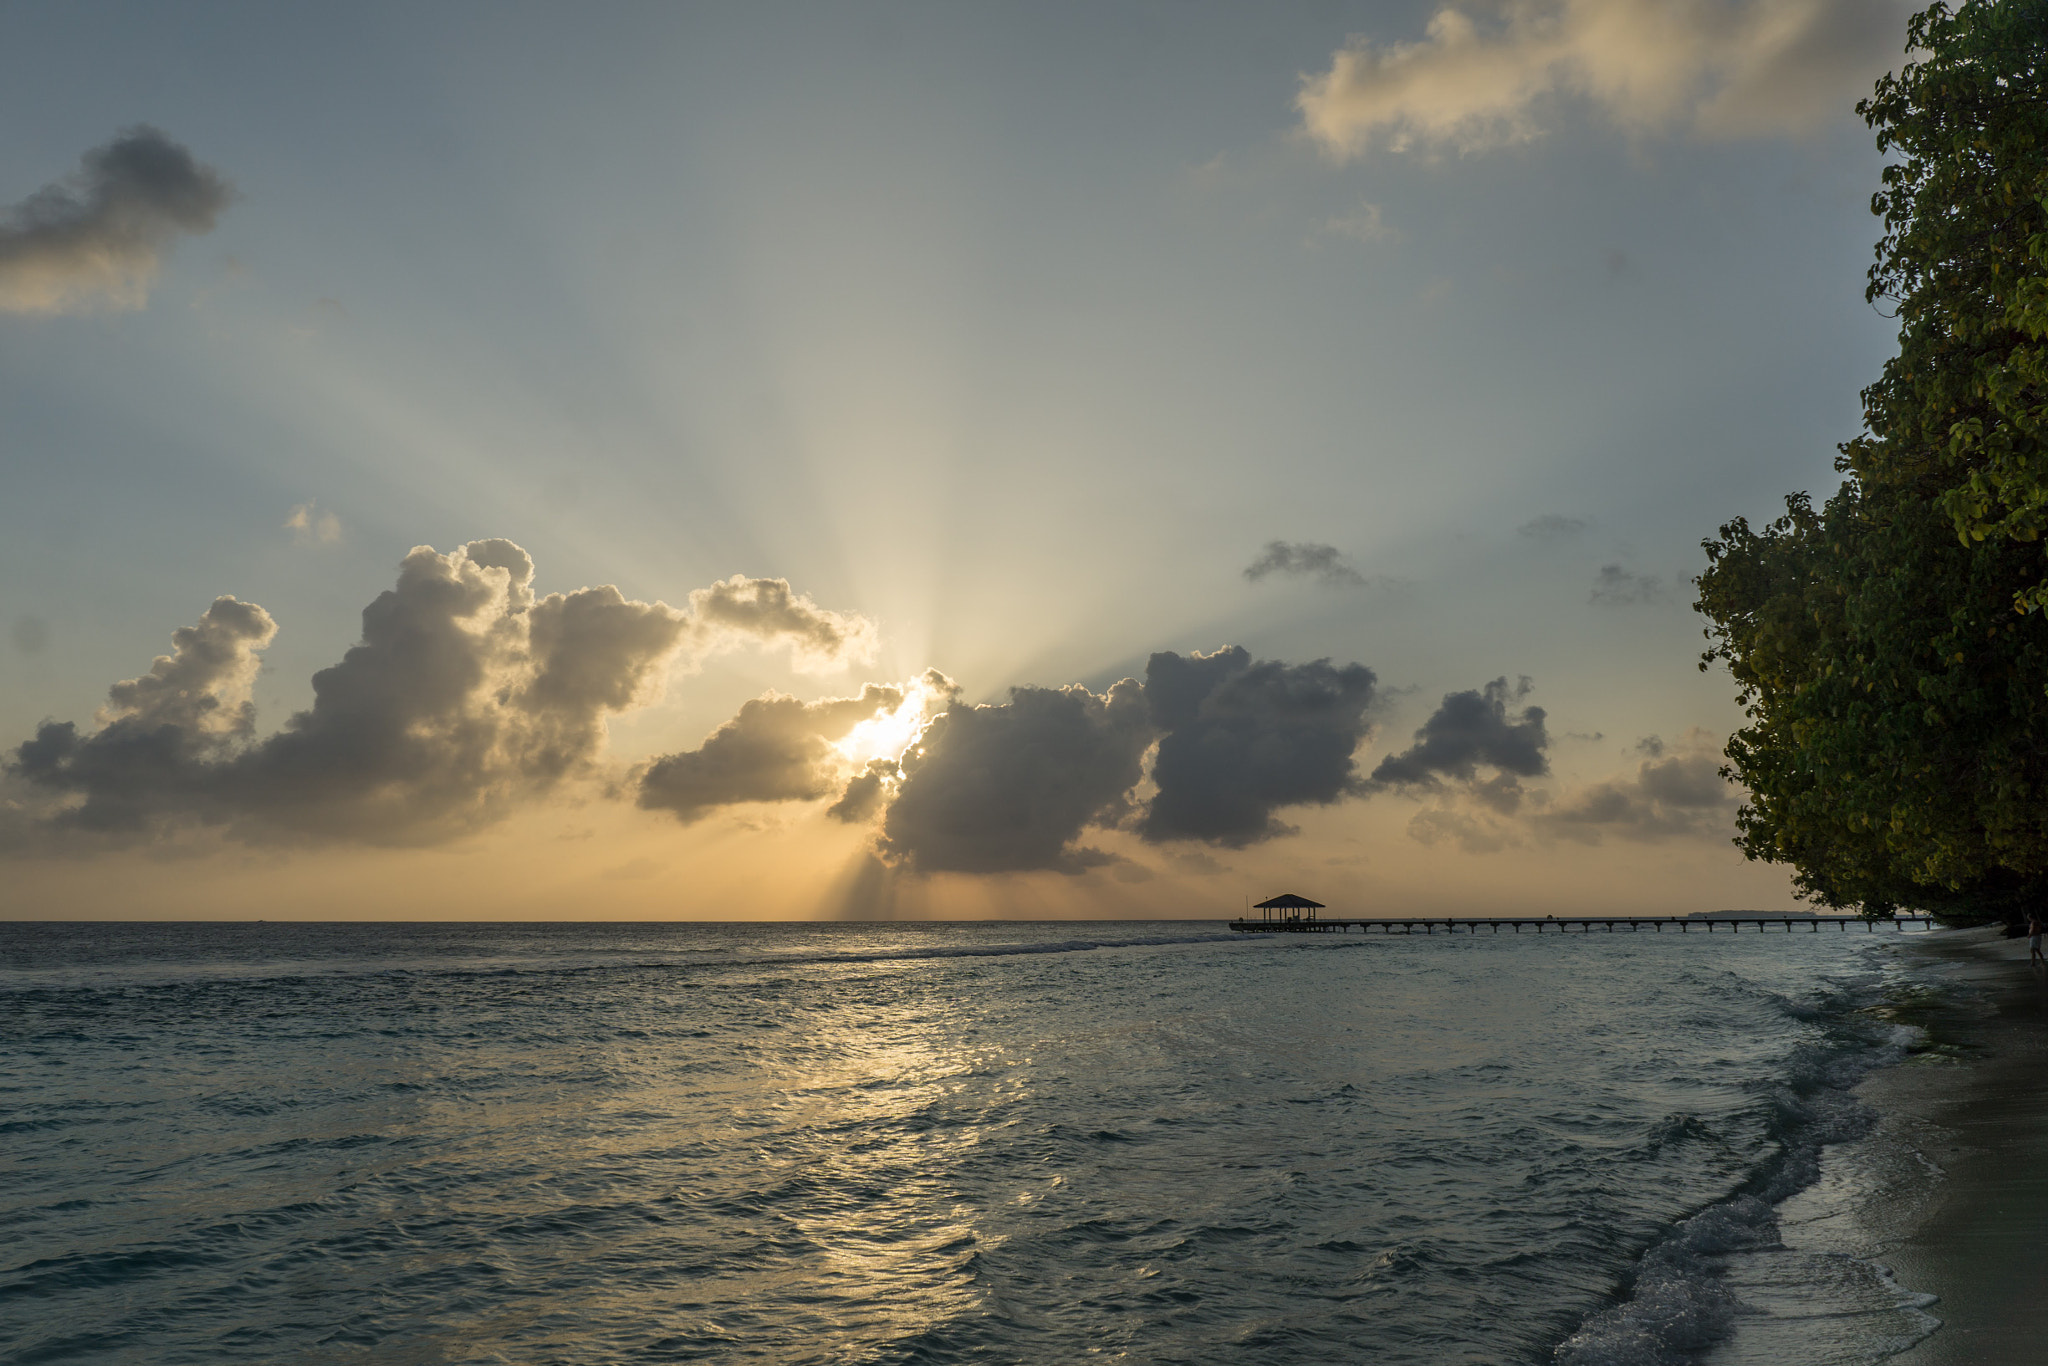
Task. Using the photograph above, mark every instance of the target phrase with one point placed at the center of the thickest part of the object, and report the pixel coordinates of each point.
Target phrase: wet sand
(1955, 1178)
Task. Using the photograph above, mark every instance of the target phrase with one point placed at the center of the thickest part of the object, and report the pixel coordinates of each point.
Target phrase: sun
(887, 735)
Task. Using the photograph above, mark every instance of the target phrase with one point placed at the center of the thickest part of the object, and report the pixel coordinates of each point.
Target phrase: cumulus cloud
(1241, 739)
(1010, 787)
(1552, 526)
(1484, 74)
(466, 694)
(767, 611)
(1013, 787)
(1470, 729)
(1674, 791)
(1677, 790)
(94, 239)
(161, 735)
(310, 526)
(1304, 560)
(777, 749)
(1614, 586)
(865, 792)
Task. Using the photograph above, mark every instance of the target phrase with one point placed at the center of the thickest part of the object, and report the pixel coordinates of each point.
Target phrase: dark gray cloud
(1010, 788)
(1240, 739)
(1304, 560)
(164, 736)
(1502, 793)
(1552, 526)
(94, 239)
(865, 792)
(777, 749)
(1676, 793)
(466, 695)
(1468, 730)
(1013, 787)
(1614, 586)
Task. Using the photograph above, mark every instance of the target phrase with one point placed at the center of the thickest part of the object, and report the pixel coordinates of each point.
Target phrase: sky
(887, 460)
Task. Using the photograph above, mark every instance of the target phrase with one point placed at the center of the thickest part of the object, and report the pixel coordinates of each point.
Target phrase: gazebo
(1289, 906)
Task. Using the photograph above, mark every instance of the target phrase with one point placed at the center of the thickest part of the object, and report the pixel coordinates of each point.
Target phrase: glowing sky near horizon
(1009, 340)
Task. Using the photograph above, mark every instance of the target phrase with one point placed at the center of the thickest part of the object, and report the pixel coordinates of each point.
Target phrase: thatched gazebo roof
(1288, 901)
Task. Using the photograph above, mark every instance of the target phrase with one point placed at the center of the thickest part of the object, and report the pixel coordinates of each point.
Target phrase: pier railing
(1584, 924)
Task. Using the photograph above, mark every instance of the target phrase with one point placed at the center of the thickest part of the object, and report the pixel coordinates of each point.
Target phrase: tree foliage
(1885, 646)
(1964, 257)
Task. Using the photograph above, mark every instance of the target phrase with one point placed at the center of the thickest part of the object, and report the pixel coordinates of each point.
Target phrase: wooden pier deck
(1584, 924)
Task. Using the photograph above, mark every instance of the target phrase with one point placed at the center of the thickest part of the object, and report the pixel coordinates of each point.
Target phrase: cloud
(94, 240)
(1501, 793)
(1470, 729)
(1552, 527)
(1010, 787)
(1472, 832)
(30, 634)
(1366, 223)
(310, 526)
(162, 735)
(1676, 791)
(1479, 818)
(1240, 739)
(1483, 75)
(466, 695)
(1303, 560)
(1614, 586)
(777, 749)
(766, 611)
(865, 792)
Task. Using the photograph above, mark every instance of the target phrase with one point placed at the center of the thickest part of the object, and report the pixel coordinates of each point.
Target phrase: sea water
(1000, 1143)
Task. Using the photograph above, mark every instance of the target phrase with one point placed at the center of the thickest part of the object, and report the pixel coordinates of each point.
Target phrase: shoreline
(1949, 1191)
(1974, 1240)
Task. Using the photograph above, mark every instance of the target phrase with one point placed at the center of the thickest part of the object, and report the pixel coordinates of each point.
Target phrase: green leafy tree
(1897, 746)
(1964, 257)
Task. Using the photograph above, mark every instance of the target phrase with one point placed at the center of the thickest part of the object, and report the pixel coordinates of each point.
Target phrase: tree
(1965, 258)
(1886, 647)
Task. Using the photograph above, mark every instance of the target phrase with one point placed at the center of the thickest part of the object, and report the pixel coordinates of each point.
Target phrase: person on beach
(2034, 954)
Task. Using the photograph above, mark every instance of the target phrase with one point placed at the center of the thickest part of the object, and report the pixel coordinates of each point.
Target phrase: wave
(678, 961)
(1677, 1303)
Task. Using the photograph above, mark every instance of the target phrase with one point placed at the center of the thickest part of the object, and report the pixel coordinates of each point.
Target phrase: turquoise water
(916, 1143)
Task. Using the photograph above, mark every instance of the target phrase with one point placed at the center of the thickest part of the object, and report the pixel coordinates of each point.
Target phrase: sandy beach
(1950, 1191)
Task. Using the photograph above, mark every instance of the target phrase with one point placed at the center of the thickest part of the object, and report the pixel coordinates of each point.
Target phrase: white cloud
(1366, 223)
(766, 612)
(1721, 68)
(310, 526)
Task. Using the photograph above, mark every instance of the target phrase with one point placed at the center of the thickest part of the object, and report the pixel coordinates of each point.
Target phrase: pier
(1584, 924)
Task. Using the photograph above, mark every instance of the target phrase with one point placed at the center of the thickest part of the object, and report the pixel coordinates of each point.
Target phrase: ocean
(896, 1143)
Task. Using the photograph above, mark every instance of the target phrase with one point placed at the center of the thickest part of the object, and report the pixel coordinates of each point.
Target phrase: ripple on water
(979, 1143)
